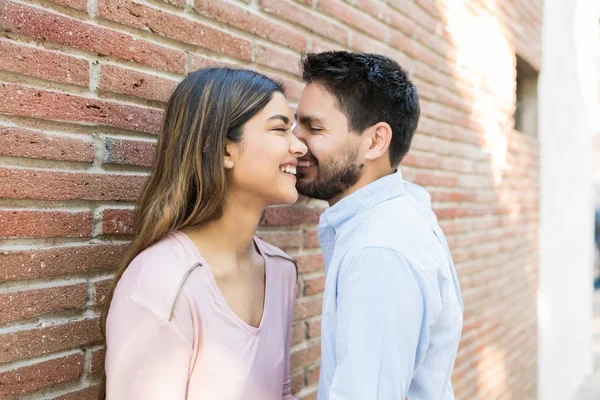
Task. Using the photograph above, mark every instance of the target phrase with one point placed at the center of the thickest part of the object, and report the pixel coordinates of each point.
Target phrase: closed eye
(284, 131)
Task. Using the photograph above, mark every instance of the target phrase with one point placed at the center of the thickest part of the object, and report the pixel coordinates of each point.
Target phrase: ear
(231, 154)
(379, 137)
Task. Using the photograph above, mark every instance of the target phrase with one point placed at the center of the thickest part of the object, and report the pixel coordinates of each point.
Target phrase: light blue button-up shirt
(392, 308)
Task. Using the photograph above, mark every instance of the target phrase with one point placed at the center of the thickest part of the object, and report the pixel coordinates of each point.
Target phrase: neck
(366, 178)
(234, 232)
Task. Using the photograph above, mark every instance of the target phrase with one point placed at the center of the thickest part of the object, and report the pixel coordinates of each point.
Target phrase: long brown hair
(187, 186)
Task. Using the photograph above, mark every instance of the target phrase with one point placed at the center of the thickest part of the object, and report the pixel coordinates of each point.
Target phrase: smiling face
(331, 165)
(263, 165)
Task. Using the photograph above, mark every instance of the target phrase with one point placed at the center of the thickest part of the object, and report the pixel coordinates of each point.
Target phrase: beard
(335, 175)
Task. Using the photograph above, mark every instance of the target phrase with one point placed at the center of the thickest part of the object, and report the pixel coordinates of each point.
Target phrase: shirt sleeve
(147, 357)
(380, 323)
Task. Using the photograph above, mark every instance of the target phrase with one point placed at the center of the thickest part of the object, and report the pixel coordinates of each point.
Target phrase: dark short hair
(369, 88)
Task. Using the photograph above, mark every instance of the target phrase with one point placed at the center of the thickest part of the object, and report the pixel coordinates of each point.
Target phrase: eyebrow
(307, 119)
(285, 119)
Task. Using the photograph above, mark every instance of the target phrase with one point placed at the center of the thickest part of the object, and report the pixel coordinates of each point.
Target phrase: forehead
(277, 106)
(315, 95)
(317, 102)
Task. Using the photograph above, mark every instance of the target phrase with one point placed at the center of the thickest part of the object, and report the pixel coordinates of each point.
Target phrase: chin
(283, 196)
(290, 197)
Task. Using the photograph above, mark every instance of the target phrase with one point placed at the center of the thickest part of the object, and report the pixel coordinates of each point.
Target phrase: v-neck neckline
(217, 291)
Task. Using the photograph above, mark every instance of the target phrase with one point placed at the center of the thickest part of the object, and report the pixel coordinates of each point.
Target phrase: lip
(291, 176)
(293, 163)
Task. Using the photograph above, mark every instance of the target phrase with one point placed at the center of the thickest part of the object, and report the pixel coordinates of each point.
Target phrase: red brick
(310, 20)
(90, 393)
(31, 102)
(318, 46)
(52, 185)
(134, 83)
(403, 43)
(27, 304)
(98, 361)
(310, 3)
(27, 143)
(454, 196)
(38, 376)
(446, 213)
(297, 381)
(314, 285)
(23, 223)
(417, 51)
(307, 307)
(45, 64)
(25, 344)
(421, 161)
(458, 165)
(277, 59)
(388, 15)
(118, 221)
(428, 74)
(77, 4)
(129, 152)
(437, 43)
(366, 44)
(442, 113)
(309, 263)
(293, 88)
(426, 179)
(430, 6)
(173, 26)
(303, 357)
(298, 332)
(250, 22)
(311, 239)
(282, 239)
(314, 329)
(33, 264)
(309, 395)
(202, 61)
(46, 25)
(346, 13)
(101, 291)
(493, 237)
(291, 215)
(417, 14)
(312, 376)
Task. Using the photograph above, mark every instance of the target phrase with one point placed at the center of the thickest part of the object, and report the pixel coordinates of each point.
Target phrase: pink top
(171, 335)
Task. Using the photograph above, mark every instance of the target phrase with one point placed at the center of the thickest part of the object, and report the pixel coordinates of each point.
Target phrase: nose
(297, 147)
(298, 131)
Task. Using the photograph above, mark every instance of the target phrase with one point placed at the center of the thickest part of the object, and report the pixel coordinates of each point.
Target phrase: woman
(202, 309)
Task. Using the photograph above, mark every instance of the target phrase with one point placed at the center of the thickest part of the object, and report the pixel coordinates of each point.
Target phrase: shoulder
(399, 226)
(154, 276)
(374, 257)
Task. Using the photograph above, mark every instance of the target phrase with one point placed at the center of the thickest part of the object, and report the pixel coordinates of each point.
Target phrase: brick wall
(82, 86)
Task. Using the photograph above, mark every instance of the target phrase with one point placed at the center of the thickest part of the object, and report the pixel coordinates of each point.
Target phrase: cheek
(323, 148)
(262, 158)
(314, 144)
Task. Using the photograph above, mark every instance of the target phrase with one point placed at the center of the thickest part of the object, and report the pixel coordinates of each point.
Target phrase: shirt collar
(365, 198)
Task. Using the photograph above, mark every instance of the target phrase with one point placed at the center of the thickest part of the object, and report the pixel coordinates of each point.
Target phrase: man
(392, 308)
